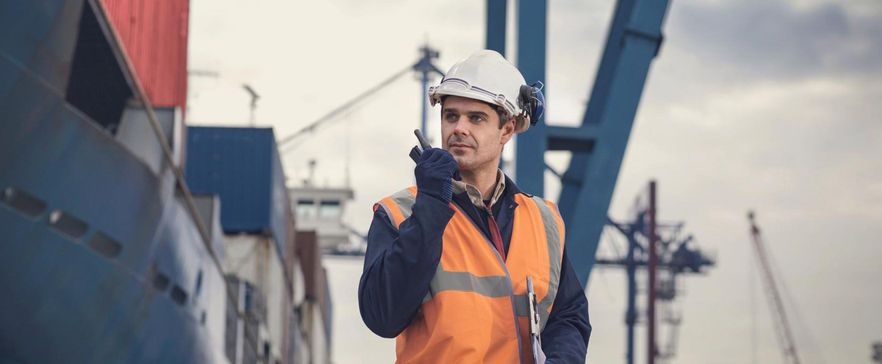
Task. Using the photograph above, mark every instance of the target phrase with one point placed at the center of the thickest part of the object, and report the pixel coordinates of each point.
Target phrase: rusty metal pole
(651, 267)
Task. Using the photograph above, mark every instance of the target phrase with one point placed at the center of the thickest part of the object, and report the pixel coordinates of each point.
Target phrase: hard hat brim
(457, 87)
(463, 90)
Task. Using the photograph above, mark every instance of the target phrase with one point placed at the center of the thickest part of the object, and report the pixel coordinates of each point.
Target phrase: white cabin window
(305, 208)
(330, 209)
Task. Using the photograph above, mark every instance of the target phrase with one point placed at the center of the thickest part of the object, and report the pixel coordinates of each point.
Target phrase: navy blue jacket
(400, 264)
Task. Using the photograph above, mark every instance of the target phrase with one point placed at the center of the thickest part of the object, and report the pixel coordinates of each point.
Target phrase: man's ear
(508, 130)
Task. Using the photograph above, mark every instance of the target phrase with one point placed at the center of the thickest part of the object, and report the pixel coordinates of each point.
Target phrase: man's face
(470, 132)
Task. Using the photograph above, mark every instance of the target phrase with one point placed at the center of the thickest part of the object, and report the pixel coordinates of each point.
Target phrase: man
(447, 261)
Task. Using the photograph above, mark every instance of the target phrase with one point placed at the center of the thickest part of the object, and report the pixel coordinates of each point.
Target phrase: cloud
(777, 39)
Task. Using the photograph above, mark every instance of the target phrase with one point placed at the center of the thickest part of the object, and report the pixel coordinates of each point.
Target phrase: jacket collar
(505, 189)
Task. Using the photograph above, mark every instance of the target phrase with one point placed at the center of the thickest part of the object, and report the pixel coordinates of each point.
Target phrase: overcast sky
(756, 104)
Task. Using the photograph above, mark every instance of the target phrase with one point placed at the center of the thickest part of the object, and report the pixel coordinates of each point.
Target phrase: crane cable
(291, 140)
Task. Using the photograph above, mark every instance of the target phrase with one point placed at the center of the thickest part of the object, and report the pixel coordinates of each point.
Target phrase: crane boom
(297, 136)
(782, 325)
(424, 66)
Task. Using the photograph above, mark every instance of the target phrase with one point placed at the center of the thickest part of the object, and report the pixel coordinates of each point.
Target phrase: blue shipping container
(243, 167)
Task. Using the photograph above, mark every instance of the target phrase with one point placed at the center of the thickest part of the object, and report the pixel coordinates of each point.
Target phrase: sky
(768, 105)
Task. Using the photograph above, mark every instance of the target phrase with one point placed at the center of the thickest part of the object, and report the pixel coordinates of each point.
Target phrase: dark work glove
(434, 172)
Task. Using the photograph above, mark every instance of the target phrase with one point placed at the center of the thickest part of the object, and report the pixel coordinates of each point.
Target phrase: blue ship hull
(101, 256)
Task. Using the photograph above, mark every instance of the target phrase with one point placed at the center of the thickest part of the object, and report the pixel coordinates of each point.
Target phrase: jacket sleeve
(565, 337)
(399, 265)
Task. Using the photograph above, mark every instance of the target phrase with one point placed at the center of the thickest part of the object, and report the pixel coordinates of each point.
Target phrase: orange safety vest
(476, 310)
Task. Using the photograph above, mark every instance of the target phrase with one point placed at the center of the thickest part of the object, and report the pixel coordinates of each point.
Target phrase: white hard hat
(487, 76)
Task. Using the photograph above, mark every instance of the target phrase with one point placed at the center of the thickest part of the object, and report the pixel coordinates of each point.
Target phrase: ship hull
(100, 260)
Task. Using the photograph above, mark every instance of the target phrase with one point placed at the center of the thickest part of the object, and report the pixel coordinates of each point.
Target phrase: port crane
(666, 253)
(782, 325)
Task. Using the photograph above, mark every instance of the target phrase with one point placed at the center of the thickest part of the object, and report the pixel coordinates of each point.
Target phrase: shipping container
(154, 35)
(318, 302)
(243, 167)
(253, 259)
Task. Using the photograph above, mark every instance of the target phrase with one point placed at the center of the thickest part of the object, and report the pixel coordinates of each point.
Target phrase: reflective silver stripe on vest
(552, 236)
(491, 286)
(404, 200)
(522, 306)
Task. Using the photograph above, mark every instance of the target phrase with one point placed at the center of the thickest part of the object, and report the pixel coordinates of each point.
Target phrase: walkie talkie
(417, 150)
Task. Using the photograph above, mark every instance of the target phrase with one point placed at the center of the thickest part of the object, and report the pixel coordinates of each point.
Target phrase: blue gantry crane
(598, 144)
(666, 253)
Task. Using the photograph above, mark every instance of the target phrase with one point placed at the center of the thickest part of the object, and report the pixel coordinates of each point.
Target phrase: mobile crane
(782, 325)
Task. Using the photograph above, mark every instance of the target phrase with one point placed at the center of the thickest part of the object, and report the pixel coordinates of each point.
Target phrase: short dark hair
(503, 116)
